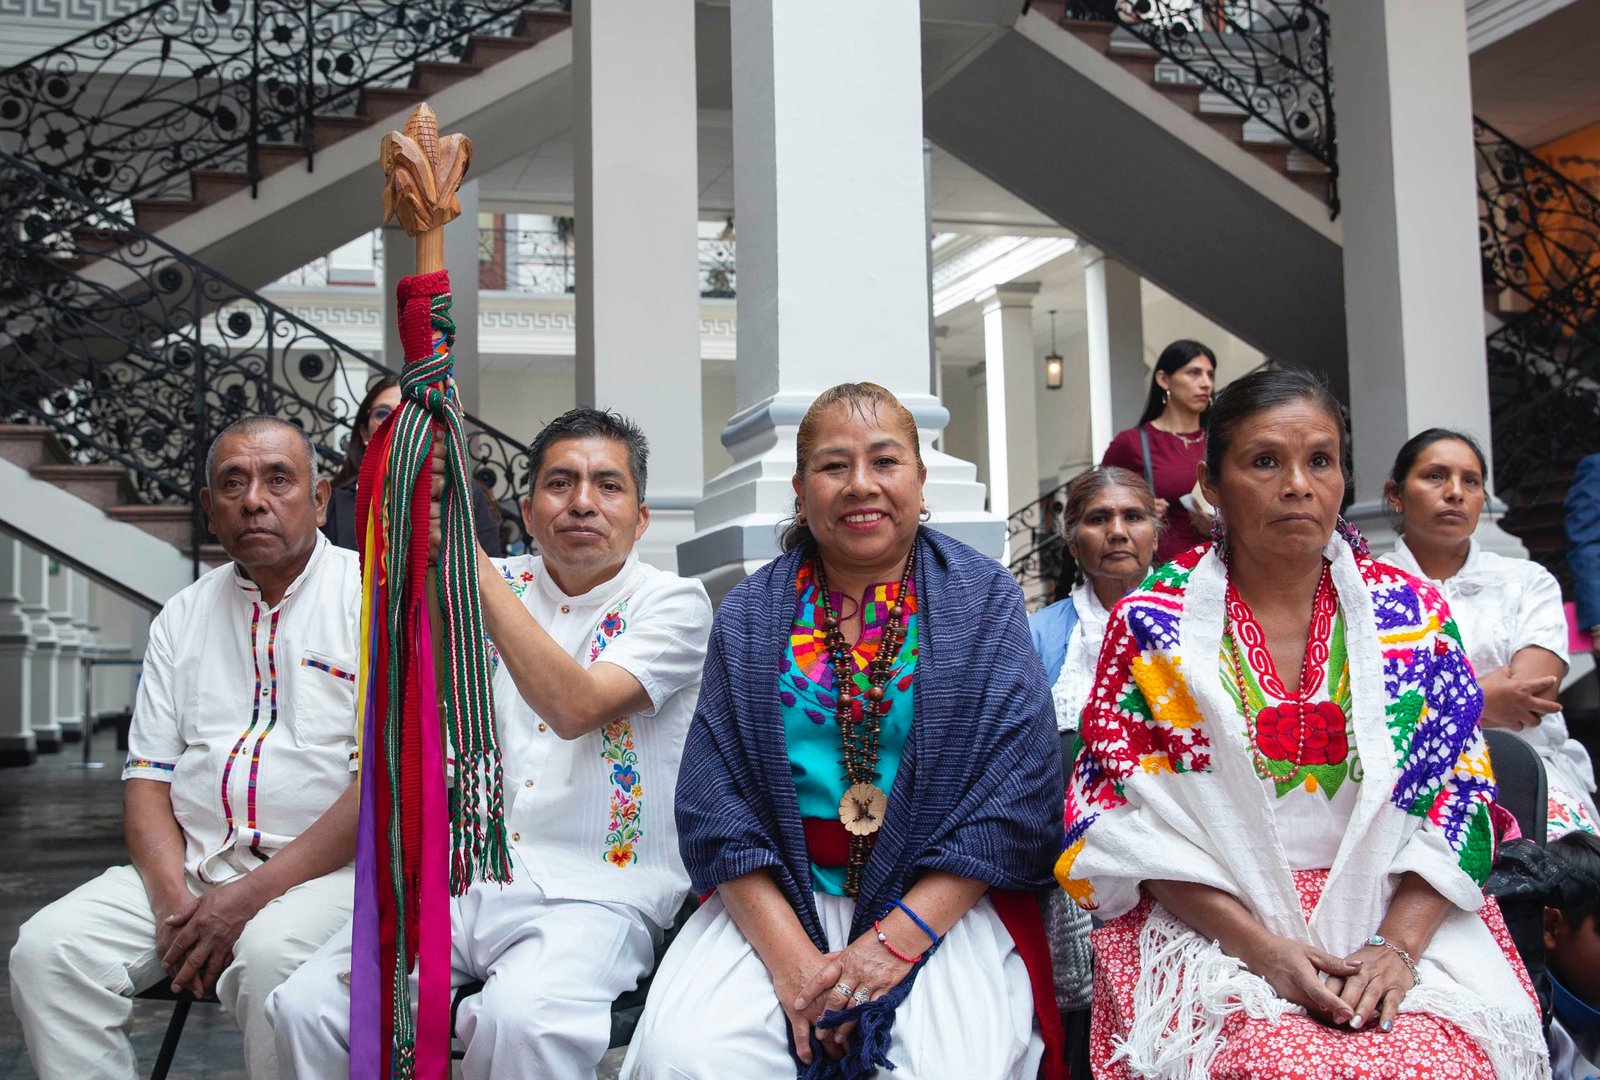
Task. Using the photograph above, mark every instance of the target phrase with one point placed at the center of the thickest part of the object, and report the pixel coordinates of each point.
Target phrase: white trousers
(551, 970)
(79, 961)
(713, 1013)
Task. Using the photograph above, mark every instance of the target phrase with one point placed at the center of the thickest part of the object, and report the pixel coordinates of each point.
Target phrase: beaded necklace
(862, 808)
(1324, 607)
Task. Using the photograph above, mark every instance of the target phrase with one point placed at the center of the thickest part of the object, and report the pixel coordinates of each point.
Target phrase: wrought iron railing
(1038, 554)
(134, 353)
(544, 261)
(130, 107)
(1269, 57)
(1539, 237)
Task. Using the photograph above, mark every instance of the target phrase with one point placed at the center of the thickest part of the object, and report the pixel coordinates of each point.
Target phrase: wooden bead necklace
(862, 808)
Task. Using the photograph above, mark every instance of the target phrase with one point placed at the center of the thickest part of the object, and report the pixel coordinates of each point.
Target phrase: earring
(1353, 537)
(1219, 535)
(925, 515)
(800, 519)
(1166, 398)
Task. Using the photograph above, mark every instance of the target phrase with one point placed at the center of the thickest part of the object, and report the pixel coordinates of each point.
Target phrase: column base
(670, 526)
(48, 740)
(1380, 525)
(739, 522)
(18, 750)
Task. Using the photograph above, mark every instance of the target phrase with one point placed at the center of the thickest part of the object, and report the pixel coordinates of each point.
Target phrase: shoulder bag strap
(1144, 451)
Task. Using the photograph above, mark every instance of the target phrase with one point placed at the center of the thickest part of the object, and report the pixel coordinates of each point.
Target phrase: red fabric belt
(828, 843)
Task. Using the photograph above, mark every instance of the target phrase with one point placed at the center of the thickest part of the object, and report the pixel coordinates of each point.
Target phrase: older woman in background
(1110, 526)
(1508, 611)
(871, 786)
(1282, 801)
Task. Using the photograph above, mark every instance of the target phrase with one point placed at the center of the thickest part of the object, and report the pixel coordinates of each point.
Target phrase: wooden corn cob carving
(422, 171)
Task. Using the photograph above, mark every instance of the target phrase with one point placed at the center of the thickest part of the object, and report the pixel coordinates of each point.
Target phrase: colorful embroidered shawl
(1164, 788)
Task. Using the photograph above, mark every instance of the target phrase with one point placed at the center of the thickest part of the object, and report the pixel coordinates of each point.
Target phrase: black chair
(162, 991)
(1524, 791)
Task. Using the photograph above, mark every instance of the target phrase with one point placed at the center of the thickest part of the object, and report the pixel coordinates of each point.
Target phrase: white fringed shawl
(1169, 791)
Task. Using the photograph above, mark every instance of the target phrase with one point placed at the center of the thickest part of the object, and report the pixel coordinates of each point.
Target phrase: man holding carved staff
(597, 661)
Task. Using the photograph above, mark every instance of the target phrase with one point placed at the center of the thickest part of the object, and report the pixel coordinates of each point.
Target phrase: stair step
(327, 130)
(378, 102)
(1275, 158)
(1184, 95)
(1095, 34)
(432, 76)
(102, 485)
(213, 554)
(153, 215)
(28, 445)
(214, 185)
(169, 523)
(484, 50)
(537, 25)
(275, 157)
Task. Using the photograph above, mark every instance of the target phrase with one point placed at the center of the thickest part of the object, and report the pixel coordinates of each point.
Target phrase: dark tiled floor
(59, 827)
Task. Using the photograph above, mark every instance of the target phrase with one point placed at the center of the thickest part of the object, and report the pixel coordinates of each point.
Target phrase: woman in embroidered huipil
(1282, 801)
(869, 786)
(1508, 611)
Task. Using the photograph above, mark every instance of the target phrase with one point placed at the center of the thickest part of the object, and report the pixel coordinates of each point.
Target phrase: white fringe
(1513, 1040)
(1187, 987)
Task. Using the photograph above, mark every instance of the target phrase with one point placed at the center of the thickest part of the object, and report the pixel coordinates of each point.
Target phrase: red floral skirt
(1297, 1047)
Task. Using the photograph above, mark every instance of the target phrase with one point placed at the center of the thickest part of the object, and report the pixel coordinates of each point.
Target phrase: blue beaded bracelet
(914, 917)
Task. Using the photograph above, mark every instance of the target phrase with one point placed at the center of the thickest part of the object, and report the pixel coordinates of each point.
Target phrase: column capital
(1010, 294)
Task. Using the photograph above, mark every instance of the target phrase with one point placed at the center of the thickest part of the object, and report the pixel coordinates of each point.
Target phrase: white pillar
(399, 260)
(637, 210)
(36, 606)
(1117, 373)
(833, 261)
(461, 260)
(116, 622)
(1413, 296)
(18, 746)
(69, 672)
(1012, 375)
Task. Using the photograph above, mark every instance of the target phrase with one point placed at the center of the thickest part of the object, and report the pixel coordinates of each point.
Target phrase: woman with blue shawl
(870, 792)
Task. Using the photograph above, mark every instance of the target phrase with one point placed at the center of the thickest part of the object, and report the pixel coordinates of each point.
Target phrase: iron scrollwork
(1038, 552)
(133, 353)
(1269, 57)
(129, 108)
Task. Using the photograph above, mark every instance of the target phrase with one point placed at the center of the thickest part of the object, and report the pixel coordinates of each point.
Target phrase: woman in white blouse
(1508, 611)
(1111, 529)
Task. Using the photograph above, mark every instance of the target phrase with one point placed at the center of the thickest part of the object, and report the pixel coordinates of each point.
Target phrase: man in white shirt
(239, 753)
(597, 670)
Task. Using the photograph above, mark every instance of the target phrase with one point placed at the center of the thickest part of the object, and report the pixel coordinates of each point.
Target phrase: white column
(36, 607)
(399, 260)
(1413, 296)
(1117, 373)
(18, 746)
(461, 260)
(833, 261)
(637, 210)
(69, 672)
(1013, 377)
(115, 621)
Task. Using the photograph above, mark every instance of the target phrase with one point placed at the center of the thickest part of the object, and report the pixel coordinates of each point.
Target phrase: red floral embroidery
(1303, 733)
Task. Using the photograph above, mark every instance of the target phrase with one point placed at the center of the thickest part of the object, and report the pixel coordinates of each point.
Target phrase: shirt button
(516, 836)
(542, 727)
(566, 610)
(527, 783)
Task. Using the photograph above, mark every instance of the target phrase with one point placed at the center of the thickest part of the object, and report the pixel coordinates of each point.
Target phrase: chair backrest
(1519, 774)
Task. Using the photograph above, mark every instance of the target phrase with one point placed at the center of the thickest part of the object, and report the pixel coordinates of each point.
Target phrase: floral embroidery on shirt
(623, 833)
(617, 750)
(519, 583)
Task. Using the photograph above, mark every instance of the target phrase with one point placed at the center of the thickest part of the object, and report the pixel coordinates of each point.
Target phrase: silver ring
(842, 989)
(860, 996)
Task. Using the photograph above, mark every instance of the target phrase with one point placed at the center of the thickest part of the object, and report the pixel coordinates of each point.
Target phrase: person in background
(380, 403)
(1583, 545)
(239, 810)
(1283, 799)
(1111, 528)
(1572, 959)
(871, 786)
(1170, 441)
(1508, 611)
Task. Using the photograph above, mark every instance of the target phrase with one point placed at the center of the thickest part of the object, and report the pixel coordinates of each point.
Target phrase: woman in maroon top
(1170, 441)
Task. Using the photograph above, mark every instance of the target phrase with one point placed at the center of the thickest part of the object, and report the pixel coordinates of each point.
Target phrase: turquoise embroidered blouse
(806, 691)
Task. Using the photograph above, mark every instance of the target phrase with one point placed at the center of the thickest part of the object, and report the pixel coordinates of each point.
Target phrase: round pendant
(861, 809)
